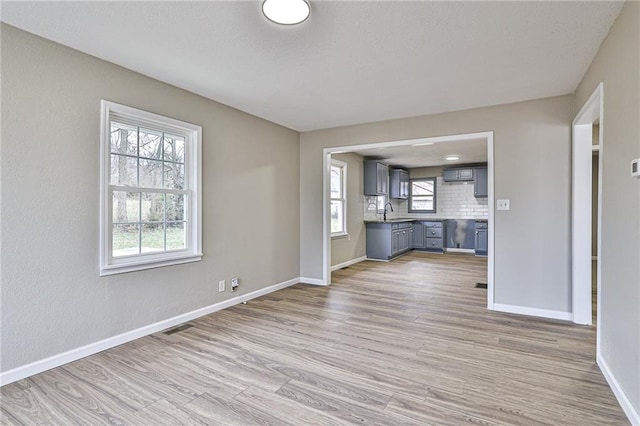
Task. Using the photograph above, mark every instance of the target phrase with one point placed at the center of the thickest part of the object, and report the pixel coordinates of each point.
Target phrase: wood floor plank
(407, 342)
(272, 402)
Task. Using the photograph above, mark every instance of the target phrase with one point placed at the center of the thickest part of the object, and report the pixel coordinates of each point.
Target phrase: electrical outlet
(234, 283)
(504, 204)
(221, 285)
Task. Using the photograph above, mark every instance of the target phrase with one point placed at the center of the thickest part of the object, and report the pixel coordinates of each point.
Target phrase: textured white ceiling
(469, 151)
(350, 62)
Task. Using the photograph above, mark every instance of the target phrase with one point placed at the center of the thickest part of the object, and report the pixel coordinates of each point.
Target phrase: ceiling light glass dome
(286, 12)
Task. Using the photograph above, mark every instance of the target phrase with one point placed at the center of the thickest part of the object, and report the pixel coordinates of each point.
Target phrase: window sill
(339, 235)
(142, 265)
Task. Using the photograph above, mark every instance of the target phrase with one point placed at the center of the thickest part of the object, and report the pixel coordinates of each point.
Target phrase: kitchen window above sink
(422, 195)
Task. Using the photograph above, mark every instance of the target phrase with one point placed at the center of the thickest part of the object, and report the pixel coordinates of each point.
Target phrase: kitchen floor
(407, 342)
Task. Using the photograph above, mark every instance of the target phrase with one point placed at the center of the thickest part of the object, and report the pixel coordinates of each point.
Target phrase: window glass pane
(175, 207)
(422, 203)
(150, 173)
(124, 171)
(152, 237)
(126, 206)
(150, 144)
(124, 139)
(176, 235)
(173, 176)
(422, 187)
(125, 239)
(336, 182)
(337, 216)
(152, 207)
(174, 148)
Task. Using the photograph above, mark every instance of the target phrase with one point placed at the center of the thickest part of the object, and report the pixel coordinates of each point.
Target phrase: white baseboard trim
(312, 281)
(632, 414)
(36, 367)
(348, 263)
(535, 312)
(459, 250)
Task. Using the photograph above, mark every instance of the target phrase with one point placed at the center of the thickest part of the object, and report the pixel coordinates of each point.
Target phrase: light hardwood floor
(402, 343)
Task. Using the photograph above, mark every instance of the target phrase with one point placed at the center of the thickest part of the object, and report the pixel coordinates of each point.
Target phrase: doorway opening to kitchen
(426, 196)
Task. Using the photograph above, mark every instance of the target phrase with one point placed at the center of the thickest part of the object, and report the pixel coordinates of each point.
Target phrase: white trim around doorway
(581, 257)
(326, 158)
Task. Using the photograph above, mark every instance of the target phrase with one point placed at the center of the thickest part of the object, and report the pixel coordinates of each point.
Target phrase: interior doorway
(327, 152)
(587, 145)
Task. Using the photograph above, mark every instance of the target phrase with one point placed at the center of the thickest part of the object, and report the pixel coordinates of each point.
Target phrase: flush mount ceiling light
(452, 157)
(286, 12)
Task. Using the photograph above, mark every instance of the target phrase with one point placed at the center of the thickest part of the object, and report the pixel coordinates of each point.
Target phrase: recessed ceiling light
(452, 157)
(286, 12)
(423, 144)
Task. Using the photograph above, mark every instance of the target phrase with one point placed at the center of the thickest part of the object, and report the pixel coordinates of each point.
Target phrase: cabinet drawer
(433, 224)
(434, 243)
(433, 233)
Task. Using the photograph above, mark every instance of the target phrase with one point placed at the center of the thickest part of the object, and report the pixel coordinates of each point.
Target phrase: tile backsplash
(454, 200)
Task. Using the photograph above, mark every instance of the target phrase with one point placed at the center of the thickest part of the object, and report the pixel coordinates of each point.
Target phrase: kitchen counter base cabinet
(481, 239)
(388, 240)
(418, 235)
(433, 236)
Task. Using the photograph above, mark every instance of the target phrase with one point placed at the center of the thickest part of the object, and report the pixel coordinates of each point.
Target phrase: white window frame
(435, 186)
(192, 133)
(343, 182)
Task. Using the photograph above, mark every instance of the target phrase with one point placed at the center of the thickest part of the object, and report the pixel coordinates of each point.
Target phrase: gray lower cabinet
(387, 240)
(433, 236)
(418, 235)
(482, 238)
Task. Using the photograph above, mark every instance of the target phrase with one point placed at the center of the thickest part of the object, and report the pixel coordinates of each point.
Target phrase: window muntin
(338, 176)
(422, 195)
(151, 190)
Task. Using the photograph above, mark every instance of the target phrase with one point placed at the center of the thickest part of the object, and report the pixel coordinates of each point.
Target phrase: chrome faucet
(384, 216)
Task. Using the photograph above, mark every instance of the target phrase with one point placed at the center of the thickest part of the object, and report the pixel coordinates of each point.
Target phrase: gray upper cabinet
(481, 183)
(376, 178)
(399, 184)
(458, 175)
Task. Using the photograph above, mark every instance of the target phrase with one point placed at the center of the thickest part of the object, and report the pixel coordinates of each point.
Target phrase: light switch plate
(504, 204)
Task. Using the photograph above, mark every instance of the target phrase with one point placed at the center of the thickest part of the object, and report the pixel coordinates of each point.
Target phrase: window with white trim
(150, 212)
(338, 198)
(422, 195)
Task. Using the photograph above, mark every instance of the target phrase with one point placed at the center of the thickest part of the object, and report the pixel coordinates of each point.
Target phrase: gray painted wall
(617, 64)
(344, 249)
(52, 297)
(532, 161)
